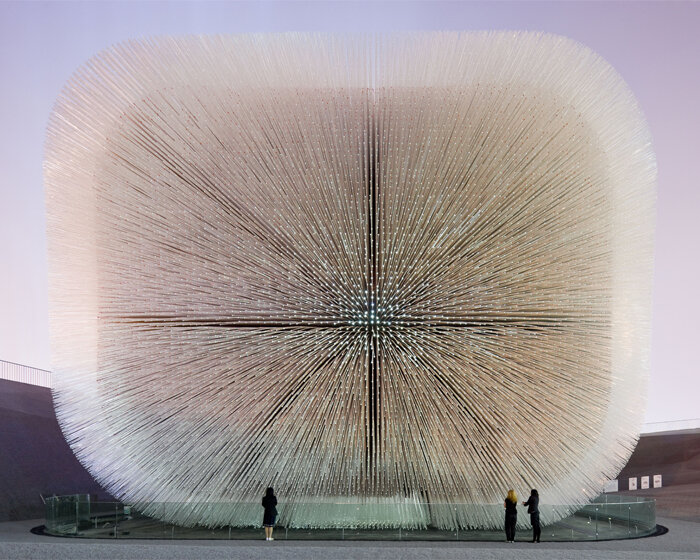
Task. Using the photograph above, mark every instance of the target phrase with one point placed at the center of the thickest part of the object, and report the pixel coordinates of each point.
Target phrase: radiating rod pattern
(410, 269)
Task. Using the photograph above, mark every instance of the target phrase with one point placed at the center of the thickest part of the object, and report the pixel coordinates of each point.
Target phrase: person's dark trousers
(510, 527)
(536, 529)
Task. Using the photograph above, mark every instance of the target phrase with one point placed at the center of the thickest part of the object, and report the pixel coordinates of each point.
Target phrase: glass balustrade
(607, 517)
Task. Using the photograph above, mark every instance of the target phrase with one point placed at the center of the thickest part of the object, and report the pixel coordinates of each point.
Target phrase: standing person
(533, 508)
(269, 502)
(510, 505)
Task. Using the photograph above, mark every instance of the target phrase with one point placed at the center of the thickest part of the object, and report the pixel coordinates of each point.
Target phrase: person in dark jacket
(510, 505)
(533, 508)
(269, 502)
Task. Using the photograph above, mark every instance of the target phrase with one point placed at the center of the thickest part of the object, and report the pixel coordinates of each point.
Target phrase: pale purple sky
(654, 46)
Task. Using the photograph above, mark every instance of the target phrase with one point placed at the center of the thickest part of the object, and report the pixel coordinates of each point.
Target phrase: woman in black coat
(533, 508)
(269, 502)
(510, 504)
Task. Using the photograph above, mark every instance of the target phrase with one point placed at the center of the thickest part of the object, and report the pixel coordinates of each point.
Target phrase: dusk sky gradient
(654, 46)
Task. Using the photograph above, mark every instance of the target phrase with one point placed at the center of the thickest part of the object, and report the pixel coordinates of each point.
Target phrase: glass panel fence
(607, 517)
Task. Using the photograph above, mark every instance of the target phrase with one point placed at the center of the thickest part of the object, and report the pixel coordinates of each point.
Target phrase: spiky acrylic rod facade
(376, 269)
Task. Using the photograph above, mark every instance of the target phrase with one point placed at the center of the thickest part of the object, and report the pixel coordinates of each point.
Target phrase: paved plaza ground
(17, 542)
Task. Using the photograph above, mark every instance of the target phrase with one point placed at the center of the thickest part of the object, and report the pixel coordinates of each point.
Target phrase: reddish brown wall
(675, 457)
(34, 457)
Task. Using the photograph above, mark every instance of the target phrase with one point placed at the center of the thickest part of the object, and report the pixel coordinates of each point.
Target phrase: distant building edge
(12, 371)
(688, 426)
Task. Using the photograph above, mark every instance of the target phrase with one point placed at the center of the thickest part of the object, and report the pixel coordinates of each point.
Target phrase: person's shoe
(272, 538)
